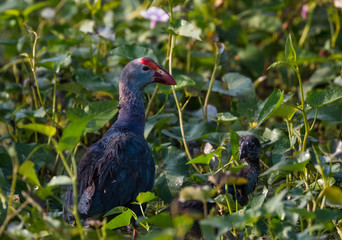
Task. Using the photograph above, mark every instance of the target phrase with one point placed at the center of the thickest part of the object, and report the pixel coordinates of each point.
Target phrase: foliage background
(60, 66)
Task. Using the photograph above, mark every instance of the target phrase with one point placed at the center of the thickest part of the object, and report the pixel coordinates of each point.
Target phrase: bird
(249, 152)
(119, 166)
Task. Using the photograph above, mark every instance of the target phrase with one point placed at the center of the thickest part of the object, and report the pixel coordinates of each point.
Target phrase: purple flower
(155, 15)
(304, 11)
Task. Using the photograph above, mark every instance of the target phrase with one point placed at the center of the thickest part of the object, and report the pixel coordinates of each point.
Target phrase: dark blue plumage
(249, 152)
(116, 168)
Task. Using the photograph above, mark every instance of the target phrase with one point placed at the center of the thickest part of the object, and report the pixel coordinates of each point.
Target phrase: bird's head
(142, 71)
(249, 147)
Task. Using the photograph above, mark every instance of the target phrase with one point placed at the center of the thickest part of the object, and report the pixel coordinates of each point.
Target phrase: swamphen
(249, 152)
(119, 166)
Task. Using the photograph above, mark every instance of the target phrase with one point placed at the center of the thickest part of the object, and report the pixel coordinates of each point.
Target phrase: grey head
(142, 71)
(249, 149)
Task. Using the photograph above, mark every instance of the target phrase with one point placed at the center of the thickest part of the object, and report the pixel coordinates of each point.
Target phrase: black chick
(249, 152)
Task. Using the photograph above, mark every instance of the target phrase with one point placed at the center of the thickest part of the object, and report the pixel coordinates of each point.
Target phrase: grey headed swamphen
(249, 152)
(119, 166)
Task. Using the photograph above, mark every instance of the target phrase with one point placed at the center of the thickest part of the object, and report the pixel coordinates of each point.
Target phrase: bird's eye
(145, 68)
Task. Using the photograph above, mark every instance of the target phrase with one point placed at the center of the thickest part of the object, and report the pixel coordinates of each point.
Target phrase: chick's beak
(243, 150)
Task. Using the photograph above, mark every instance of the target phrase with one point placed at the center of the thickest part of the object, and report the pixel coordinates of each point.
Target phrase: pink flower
(338, 3)
(155, 15)
(304, 11)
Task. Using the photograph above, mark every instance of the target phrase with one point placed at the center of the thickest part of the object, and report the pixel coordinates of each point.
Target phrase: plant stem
(211, 84)
(73, 176)
(306, 124)
(150, 101)
(180, 116)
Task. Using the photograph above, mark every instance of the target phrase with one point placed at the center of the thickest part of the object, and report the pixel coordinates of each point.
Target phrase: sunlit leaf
(27, 170)
(234, 143)
(333, 194)
(116, 210)
(121, 220)
(41, 128)
(59, 180)
(290, 52)
(144, 197)
(226, 117)
(271, 104)
(285, 111)
(205, 158)
(33, 7)
(162, 220)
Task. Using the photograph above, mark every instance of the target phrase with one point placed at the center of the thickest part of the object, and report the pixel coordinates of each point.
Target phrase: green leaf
(271, 104)
(156, 121)
(290, 164)
(182, 82)
(191, 131)
(71, 87)
(133, 52)
(27, 170)
(102, 112)
(225, 117)
(41, 128)
(33, 7)
(162, 220)
(319, 97)
(285, 111)
(124, 219)
(144, 197)
(205, 158)
(333, 194)
(55, 63)
(290, 52)
(167, 186)
(72, 133)
(237, 168)
(238, 85)
(59, 180)
(116, 210)
(185, 29)
(234, 143)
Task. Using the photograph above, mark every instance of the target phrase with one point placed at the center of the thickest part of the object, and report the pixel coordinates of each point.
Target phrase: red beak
(160, 75)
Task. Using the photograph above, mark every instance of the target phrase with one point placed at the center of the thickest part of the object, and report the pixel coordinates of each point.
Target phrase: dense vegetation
(267, 68)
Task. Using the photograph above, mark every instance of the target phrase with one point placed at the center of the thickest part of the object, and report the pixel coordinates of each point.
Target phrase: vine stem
(180, 115)
(211, 84)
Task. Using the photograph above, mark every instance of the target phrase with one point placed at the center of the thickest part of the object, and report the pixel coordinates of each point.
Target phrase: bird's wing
(125, 168)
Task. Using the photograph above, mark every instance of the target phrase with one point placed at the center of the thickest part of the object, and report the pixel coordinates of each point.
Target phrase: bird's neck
(251, 162)
(131, 111)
